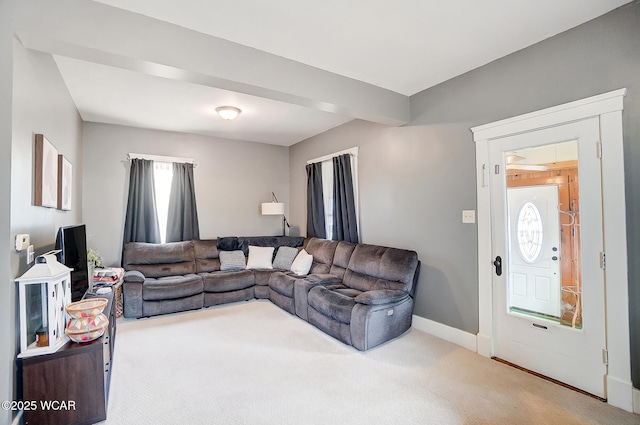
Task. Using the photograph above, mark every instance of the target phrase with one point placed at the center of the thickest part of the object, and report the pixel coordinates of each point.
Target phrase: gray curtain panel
(182, 223)
(315, 202)
(345, 226)
(141, 219)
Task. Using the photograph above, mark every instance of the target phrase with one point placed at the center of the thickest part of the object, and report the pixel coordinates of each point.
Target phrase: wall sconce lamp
(275, 208)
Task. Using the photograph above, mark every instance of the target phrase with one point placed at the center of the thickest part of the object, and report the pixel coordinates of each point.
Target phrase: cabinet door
(75, 381)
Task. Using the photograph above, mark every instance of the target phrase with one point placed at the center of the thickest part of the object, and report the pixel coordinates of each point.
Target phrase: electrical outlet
(468, 216)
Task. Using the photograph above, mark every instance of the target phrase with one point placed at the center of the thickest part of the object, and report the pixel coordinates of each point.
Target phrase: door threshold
(546, 378)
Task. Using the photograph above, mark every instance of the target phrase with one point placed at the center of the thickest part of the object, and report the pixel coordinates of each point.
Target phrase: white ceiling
(117, 96)
(404, 46)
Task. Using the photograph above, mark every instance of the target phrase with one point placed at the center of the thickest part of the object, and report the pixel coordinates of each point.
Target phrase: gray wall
(413, 187)
(34, 100)
(9, 16)
(415, 180)
(232, 179)
(41, 105)
(597, 57)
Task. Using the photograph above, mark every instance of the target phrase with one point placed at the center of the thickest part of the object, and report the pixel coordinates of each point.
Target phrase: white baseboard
(620, 393)
(459, 337)
(636, 401)
(484, 345)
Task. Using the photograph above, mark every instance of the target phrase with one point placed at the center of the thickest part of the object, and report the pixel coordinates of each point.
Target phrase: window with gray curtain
(182, 216)
(162, 203)
(332, 187)
(141, 218)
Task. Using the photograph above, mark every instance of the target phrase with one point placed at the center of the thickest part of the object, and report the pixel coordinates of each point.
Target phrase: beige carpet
(253, 363)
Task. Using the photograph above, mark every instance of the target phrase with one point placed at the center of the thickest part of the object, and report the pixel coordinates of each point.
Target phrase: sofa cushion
(232, 260)
(260, 257)
(227, 281)
(284, 257)
(160, 260)
(262, 276)
(373, 267)
(332, 304)
(207, 255)
(344, 290)
(385, 296)
(171, 287)
(283, 283)
(341, 258)
(322, 251)
(338, 330)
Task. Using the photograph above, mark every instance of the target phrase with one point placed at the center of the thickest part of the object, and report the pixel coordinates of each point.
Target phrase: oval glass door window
(530, 232)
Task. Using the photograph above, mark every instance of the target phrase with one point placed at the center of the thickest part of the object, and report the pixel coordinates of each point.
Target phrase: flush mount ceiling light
(228, 112)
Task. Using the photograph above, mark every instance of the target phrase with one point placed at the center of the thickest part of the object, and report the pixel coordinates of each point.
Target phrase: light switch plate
(468, 216)
(30, 255)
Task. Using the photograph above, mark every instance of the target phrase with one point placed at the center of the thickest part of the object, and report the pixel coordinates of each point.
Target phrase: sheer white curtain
(327, 196)
(163, 177)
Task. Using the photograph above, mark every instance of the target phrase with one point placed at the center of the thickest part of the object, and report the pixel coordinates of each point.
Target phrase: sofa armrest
(303, 285)
(379, 297)
(134, 276)
(320, 279)
(372, 325)
(132, 299)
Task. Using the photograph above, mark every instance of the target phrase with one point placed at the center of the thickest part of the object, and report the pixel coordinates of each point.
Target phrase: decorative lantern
(44, 291)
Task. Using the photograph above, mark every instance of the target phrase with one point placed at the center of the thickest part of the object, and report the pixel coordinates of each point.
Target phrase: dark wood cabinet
(70, 386)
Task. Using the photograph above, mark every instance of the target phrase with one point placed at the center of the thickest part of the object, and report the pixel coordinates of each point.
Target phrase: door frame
(608, 108)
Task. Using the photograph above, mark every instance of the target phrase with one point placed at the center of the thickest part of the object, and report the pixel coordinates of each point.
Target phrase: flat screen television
(72, 243)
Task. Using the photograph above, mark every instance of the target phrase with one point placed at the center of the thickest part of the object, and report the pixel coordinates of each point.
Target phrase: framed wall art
(65, 174)
(46, 173)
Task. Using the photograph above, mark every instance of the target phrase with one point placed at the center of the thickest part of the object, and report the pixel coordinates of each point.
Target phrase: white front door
(528, 284)
(534, 233)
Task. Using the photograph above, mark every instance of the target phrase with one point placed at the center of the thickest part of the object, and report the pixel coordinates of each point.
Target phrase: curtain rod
(160, 158)
(350, 151)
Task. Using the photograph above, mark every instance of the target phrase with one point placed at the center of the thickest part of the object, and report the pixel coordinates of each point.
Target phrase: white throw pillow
(260, 257)
(302, 264)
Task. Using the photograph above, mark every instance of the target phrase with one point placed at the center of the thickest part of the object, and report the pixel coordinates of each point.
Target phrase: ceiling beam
(110, 36)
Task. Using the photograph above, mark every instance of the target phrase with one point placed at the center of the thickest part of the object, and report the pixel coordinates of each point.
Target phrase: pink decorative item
(87, 320)
(86, 308)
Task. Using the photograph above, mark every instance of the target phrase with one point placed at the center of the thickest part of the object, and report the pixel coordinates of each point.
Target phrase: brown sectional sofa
(360, 294)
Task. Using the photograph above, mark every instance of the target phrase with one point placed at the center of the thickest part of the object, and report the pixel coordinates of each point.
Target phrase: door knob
(498, 264)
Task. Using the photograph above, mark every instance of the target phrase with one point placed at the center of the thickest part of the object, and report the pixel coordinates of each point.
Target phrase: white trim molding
(456, 336)
(636, 401)
(608, 108)
(550, 117)
(161, 158)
